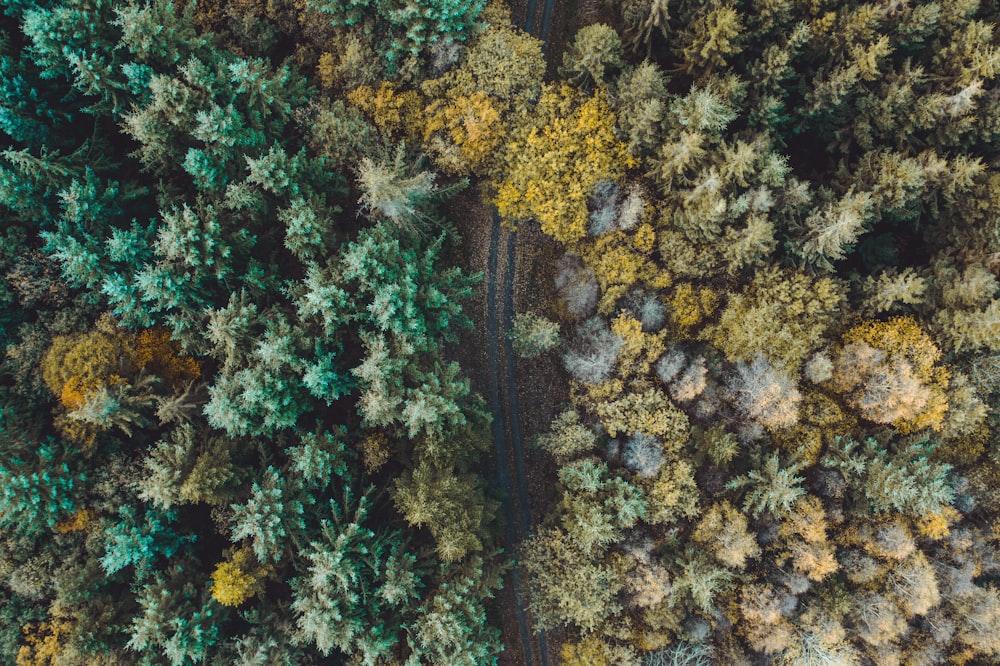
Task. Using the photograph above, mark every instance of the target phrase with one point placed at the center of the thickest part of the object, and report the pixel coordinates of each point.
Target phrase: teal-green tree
(356, 586)
(406, 28)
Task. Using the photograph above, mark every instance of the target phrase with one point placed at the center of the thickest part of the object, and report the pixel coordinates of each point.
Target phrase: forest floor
(518, 271)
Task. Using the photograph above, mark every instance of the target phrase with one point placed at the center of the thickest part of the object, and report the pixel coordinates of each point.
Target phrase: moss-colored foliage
(650, 412)
(568, 437)
(594, 56)
(533, 335)
(782, 314)
(592, 651)
(439, 500)
(190, 466)
(567, 586)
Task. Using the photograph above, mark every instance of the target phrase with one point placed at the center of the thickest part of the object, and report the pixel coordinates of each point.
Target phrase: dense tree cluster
(780, 332)
(229, 429)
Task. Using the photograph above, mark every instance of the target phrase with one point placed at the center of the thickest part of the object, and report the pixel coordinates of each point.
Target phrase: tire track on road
(506, 414)
(514, 413)
(512, 525)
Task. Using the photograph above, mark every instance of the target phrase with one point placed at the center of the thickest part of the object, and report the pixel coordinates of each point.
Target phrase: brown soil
(542, 387)
(541, 382)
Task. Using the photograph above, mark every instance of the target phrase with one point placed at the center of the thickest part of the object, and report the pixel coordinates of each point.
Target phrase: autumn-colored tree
(237, 578)
(723, 530)
(890, 373)
(566, 130)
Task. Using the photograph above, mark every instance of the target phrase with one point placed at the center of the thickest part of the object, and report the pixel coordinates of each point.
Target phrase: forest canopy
(241, 418)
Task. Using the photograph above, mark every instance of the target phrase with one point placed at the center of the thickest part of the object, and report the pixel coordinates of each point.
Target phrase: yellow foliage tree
(593, 651)
(620, 260)
(804, 534)
(723, 531)
(639, 350)
(672, 494)
(157, 354)
(649, 412)
(464, 133)
(937, 524)
(238, 578)
(690, 306)
(76, 365)
(889, 372)
(44, 642)
(77, 522)
(554, 165)
(397, 113)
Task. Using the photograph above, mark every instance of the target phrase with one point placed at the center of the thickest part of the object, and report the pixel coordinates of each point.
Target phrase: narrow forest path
(507, 439)
(504, 393)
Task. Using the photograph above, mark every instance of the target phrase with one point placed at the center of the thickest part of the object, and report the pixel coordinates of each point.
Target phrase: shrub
(533, 335)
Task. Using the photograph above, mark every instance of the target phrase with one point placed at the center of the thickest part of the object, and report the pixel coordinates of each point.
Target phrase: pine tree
(452, 627)
(393, 191)
(355, 586)
(189, 465)
(138, 539)
(773, 488)
(406, 28)
(271, 517)
(175, 619)
(39, 487)
(595, 506)
(450, 503)
(902, 478)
